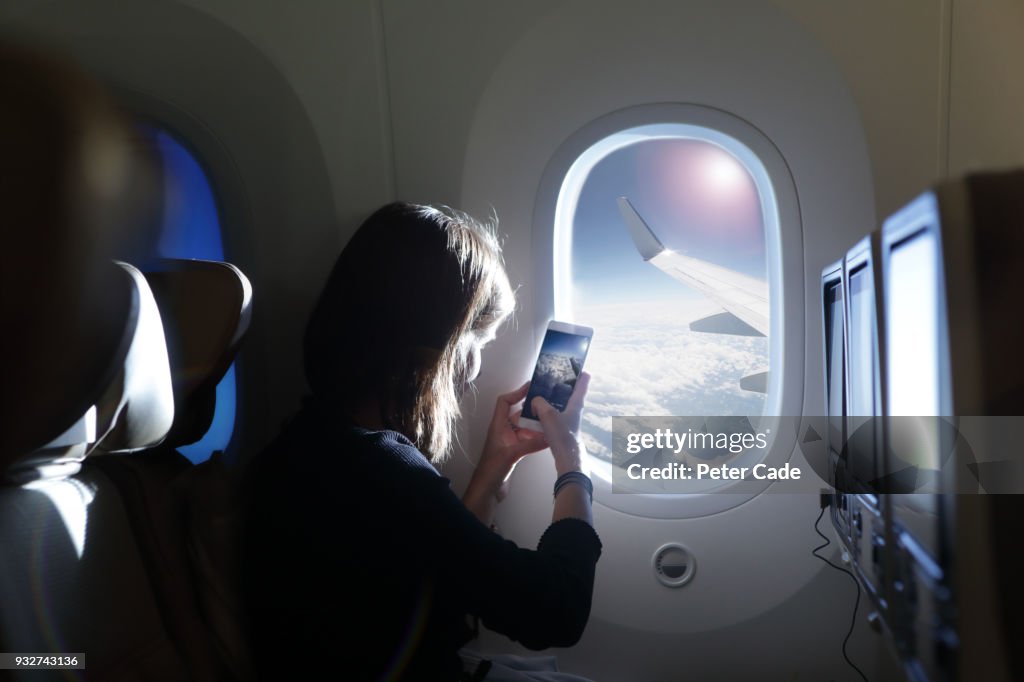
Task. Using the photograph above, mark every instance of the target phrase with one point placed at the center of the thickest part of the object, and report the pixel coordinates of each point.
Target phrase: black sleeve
(540, 597)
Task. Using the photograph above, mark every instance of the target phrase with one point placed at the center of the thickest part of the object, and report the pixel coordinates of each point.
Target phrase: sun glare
(724, 174)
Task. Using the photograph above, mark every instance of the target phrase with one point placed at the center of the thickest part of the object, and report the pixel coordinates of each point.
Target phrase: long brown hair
(391, 325)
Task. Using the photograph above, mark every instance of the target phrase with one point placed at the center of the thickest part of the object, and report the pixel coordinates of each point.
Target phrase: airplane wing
(744, 298)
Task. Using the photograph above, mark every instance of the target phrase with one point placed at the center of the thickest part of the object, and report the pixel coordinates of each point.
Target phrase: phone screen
(558, 366)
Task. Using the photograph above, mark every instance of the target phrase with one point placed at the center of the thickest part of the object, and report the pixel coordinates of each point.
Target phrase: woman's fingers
(531, 435)
(527, 446)
(579, 392)
(505, 401)
(513, 397)
(560, 434)
(547, 415)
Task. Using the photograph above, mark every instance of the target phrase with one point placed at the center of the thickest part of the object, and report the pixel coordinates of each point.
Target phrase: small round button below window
(674, 565)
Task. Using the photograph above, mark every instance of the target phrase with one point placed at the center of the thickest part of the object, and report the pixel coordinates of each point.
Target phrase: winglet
(646, 243)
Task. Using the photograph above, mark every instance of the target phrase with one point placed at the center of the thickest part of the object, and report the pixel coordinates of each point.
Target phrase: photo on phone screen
(558, 366)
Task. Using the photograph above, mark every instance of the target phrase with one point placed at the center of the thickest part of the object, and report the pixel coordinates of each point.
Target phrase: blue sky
(667, 181)
(561, 343)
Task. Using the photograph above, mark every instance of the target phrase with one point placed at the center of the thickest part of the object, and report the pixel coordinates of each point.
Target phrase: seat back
(183, 516)
(67, 208)
(100, 559)
(71, 577)
(207, 308)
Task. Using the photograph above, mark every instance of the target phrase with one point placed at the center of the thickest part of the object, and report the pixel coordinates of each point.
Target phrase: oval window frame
(555, 205)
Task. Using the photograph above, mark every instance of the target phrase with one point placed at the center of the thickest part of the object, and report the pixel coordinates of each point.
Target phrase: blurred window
(191, 228)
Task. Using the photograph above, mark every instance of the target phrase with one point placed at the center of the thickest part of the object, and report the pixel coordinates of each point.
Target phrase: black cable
(856, 603)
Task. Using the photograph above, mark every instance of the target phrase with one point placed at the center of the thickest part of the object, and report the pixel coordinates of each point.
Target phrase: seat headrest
(206, 307)
(123, 391)
(137, 410)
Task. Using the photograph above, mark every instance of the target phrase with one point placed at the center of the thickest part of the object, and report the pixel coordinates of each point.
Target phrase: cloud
(645, 361)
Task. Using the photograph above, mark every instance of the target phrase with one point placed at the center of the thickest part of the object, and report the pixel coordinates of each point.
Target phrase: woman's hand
(562, 432)
(561, 429)
(506, 444)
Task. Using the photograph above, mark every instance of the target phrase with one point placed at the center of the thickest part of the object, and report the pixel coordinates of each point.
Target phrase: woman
(360, 561)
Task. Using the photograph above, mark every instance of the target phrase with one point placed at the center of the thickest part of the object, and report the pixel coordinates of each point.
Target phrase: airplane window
(191, 229)
(665, 257)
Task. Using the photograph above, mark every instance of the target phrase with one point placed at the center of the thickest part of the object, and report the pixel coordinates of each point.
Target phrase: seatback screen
(861, 408)
(913, 328)
(834, 363)
(913, 331)
(862, 329)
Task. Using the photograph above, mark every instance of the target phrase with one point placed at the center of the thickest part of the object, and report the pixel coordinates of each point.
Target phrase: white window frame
(555, 206)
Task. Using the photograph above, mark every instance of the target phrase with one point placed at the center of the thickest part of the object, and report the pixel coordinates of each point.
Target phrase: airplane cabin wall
(936, 84)
(327, 112)
(575, 63)
(895, 63)
(288, 111)
(987, 95)
(923, 105)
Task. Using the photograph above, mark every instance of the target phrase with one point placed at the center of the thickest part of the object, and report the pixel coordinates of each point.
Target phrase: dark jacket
(359, 559)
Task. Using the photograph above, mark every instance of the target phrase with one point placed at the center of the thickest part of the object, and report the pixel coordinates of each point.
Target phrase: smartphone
(559, 364)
